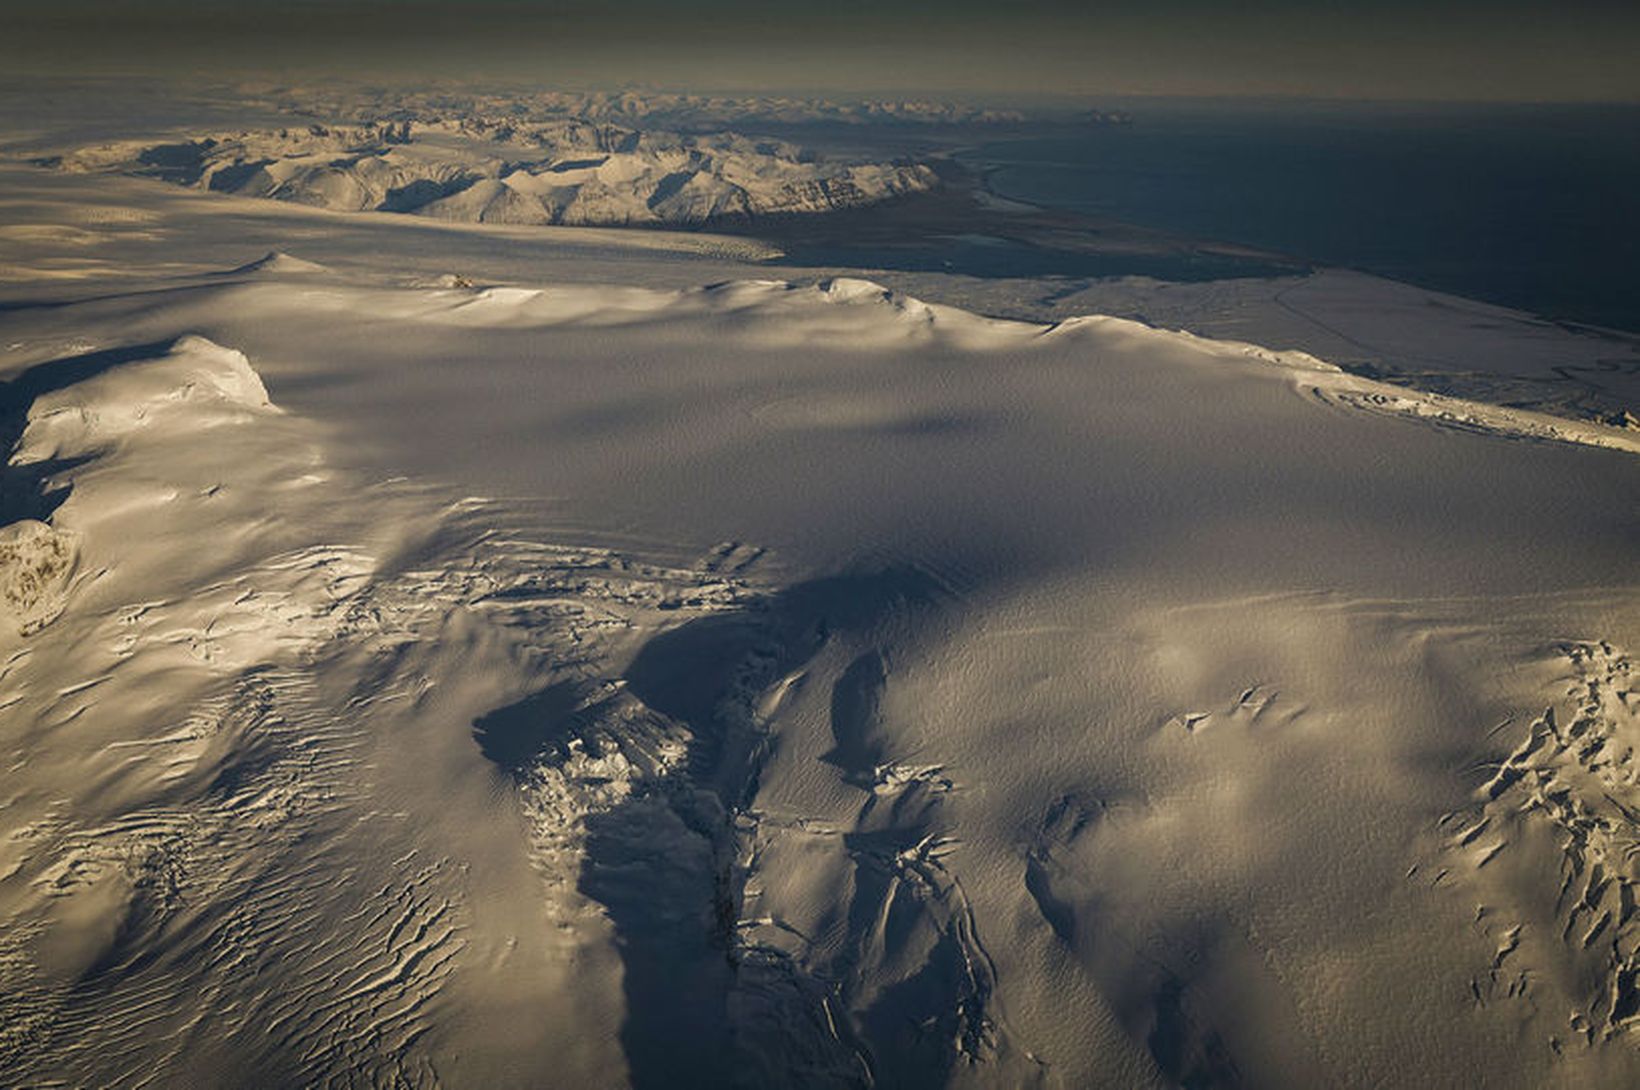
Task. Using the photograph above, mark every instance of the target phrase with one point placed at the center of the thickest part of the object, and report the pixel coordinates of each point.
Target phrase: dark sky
(1506, 49)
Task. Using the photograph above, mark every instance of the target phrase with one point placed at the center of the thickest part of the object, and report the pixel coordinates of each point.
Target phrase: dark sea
(1531, 207)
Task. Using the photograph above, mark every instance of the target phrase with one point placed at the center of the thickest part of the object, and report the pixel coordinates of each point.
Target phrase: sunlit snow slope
(761, 684)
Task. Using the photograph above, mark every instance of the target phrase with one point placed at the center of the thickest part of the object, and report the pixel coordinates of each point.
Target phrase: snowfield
(609, 664)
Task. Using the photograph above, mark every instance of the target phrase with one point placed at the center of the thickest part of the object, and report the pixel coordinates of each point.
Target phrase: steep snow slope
(844, 690)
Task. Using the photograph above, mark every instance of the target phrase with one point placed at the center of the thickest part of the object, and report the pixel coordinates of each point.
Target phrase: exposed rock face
(35, 563)
(479, 169)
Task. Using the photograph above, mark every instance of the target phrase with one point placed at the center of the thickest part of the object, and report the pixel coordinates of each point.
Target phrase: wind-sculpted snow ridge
(499, 169)
(206, 872)
(178, 834)
(1368, 395)
(1334, 386)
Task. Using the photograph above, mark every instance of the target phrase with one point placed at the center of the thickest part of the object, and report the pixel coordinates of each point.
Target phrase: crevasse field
(491, 655)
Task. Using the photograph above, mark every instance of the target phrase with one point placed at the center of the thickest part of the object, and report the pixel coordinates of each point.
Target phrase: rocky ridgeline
(499, 169)
(646, 109)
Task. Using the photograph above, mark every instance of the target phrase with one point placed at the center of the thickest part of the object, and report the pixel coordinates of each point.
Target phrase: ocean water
(1532, 207)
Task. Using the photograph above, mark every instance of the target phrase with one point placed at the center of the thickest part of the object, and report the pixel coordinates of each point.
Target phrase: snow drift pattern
(356, 784)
